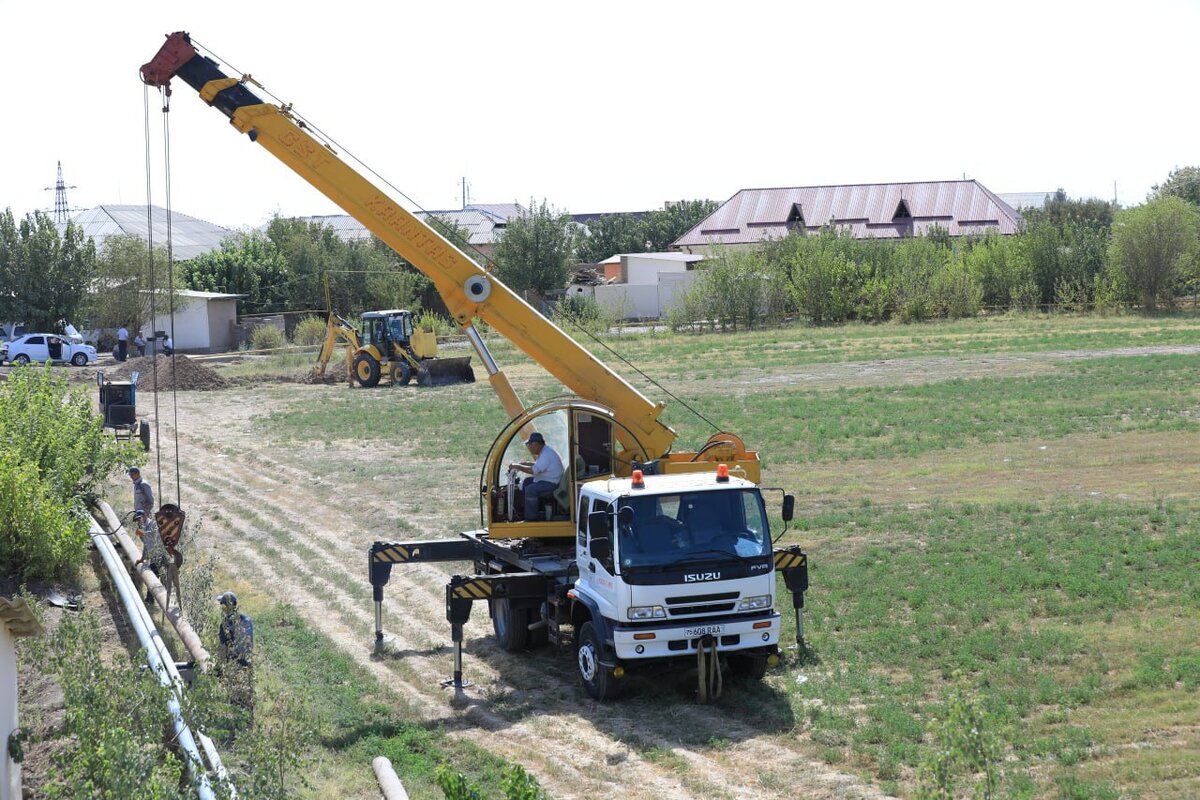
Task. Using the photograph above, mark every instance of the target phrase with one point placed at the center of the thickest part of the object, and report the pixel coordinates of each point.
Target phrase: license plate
(704, 630)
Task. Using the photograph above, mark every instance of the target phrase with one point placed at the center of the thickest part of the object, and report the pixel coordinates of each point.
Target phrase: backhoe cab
(389, 345)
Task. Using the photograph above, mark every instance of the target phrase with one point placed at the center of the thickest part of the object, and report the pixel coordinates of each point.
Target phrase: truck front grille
(701, 604)
(711, 608)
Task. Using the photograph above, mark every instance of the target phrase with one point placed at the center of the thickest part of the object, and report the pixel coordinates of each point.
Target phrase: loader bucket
(445, 371)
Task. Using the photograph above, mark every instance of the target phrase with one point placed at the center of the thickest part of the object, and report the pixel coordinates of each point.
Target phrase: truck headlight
(647, 612)
(755, 603)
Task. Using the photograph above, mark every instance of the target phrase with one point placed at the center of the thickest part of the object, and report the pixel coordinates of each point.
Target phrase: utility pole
(466, 197)
(62, 211)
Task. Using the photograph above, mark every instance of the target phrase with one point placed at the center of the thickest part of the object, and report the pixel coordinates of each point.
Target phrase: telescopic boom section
(468, 290)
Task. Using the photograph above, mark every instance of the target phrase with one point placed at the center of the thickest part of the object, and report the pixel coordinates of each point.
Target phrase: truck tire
(510, 624)
(144, 434)
(750, 667)
(366, 370)
(598, 680)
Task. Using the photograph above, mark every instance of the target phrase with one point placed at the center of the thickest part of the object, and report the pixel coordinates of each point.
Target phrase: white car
(47, 347)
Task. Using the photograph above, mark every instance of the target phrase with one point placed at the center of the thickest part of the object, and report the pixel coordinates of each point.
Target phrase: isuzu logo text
(695, 577)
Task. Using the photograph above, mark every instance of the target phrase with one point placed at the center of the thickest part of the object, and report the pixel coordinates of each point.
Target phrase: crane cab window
(593, 446)
(550, 505)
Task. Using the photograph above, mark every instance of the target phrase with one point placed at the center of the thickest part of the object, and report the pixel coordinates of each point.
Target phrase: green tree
(45, 274)
(1060, 210)
(1155, 245)
(535, 249)
(1183, 183)
(247, 263)
(130, 288)
(663, 226)
(609, 235)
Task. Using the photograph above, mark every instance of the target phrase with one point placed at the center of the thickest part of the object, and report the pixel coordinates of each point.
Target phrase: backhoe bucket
(444, 371)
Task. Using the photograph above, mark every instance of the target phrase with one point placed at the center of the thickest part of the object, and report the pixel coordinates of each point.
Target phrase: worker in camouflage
(235, 657)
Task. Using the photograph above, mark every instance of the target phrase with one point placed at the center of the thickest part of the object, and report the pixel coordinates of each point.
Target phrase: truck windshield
(669, 529)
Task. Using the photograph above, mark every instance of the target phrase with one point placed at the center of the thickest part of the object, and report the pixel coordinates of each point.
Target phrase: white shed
(203, 322)
(643, 269)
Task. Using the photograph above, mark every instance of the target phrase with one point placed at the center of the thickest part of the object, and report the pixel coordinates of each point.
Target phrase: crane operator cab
(587, 441)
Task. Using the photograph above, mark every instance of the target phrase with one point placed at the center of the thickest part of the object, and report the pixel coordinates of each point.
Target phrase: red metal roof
(867, 210)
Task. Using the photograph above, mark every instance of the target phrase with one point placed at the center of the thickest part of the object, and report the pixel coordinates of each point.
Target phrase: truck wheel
(366, 369)
(752, 667)
(144, 434)
(401, 373)
(597, 680)
(511, 625)
(79, 359)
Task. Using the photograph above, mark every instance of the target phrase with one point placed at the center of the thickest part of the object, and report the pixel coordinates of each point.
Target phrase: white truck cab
(671, 564)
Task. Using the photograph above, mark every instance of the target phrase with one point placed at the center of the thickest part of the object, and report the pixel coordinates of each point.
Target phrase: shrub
(309, 331)
(53, 451)
(432, 321)
(1154, 245)
(954, 291)
(732, 288)
(914, 263)
(266, 337)
(581, 311)
(40, 538)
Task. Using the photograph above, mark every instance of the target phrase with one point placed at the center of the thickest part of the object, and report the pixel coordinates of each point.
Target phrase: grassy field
(1020, 545)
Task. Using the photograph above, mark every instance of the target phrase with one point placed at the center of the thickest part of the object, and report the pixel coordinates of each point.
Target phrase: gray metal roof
(1020, 200)
(190, 237)
(868, 211)
(483, 223)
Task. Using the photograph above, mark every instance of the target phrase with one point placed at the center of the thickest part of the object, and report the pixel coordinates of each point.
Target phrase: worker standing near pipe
(154, 554)
(235, 655)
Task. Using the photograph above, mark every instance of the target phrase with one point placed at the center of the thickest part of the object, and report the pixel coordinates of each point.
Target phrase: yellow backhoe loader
(390, 346)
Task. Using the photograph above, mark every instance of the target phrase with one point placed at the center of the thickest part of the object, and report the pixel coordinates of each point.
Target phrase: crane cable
(150, 245)
(166, 98)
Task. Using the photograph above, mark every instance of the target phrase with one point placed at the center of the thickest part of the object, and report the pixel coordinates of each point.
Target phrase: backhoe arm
(335, 327)
(468, 290)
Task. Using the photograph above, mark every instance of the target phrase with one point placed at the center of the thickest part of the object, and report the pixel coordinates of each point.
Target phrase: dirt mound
(174, 372)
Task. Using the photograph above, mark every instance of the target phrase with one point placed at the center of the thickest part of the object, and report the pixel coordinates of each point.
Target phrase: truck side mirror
(789, 507)
(601, 548)
(598, 524)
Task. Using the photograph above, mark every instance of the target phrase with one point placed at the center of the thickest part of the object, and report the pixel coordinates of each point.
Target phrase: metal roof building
(190, 237)
(483, 222)
(1020, 200)
(868, 211)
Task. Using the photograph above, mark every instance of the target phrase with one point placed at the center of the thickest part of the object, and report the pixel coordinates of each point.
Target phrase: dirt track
(280, 526)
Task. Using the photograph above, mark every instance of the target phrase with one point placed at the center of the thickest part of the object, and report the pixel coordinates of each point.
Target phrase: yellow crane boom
(468, 290)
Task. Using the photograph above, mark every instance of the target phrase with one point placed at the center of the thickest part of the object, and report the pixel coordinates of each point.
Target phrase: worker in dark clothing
(236, 666)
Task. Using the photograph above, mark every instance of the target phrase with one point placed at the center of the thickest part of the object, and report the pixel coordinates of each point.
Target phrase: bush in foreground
(53, 451)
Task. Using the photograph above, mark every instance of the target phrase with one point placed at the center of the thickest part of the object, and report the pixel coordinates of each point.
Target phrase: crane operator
(545, 471)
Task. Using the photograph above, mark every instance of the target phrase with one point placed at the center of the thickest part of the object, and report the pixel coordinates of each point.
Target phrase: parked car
(47, 347)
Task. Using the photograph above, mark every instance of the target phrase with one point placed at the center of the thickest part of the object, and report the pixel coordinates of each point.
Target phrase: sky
(604, 107)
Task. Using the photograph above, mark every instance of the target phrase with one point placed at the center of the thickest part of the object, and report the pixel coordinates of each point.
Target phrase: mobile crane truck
(641, 556)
